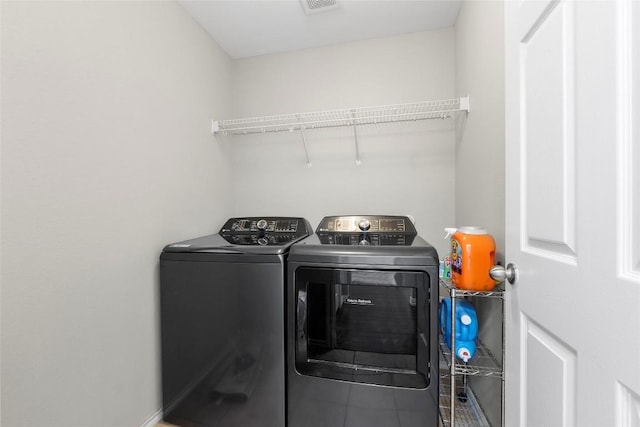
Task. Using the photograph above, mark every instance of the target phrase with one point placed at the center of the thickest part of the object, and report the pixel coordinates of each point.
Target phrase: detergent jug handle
(449, 231)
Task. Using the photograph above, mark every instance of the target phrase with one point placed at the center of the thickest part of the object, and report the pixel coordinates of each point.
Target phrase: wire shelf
(425, 110)
(497, 292)
(483, 363)
(467, 412)
(353, 117)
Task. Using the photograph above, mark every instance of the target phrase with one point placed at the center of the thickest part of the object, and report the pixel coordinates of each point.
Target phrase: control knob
(364, 224)
(261, 224)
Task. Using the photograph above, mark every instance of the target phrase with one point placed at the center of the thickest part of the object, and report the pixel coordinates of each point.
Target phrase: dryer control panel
(366, 223)
(376, 230)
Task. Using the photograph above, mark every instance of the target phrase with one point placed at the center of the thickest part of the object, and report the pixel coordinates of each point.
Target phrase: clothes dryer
(362, 328)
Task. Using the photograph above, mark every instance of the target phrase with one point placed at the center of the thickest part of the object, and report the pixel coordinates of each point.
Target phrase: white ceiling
(245, 28)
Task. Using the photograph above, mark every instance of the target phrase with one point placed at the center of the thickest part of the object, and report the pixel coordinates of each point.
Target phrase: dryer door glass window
(363, 326)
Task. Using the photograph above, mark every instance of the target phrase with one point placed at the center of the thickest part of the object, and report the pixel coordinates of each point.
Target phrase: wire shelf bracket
(426, 110)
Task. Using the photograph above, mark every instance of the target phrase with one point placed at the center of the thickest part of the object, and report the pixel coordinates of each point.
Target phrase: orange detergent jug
(473, 253)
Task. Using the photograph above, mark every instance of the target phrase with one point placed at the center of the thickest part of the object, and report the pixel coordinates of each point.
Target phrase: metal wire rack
(426, 110)
(482, 364)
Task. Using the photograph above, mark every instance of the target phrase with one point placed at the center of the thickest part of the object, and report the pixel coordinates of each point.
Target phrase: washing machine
(362, 325)
(223, 324)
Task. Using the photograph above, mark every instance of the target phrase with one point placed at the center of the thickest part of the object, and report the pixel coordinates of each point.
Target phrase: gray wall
(406, 168)
(106, 157)
(479, 170)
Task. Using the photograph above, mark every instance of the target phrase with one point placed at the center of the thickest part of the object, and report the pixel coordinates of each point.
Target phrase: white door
(573, 213)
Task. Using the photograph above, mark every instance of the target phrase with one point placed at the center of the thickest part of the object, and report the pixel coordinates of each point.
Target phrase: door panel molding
(534, 14)
(628, 99)
(548, 377)
(627, 407)
(548, 155)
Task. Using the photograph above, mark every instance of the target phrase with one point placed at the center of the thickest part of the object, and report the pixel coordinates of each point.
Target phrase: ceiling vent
(317, 6)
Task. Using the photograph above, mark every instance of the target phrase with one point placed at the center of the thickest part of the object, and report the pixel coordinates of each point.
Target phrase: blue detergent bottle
(466, 327)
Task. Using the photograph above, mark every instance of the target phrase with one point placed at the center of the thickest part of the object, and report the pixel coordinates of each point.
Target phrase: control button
(364, 224)
(261, 224)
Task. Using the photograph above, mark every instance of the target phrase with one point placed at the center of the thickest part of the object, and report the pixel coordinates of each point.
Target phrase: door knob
(500, 273)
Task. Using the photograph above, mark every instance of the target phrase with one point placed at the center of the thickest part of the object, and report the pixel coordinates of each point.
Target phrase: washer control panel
(262, 224)
(264, 231)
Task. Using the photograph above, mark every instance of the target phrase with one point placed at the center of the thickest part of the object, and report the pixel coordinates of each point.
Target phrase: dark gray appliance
(362, 325)
(222, 324)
